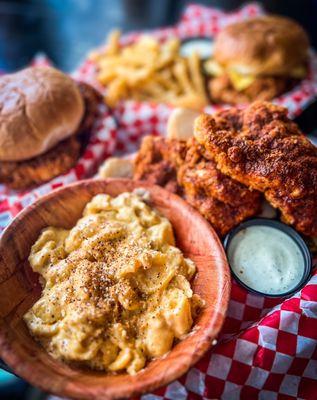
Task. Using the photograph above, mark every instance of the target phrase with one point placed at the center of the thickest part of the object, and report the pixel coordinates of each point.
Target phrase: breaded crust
(222, 216)
(264, 150)
(92, 99)
(29, 173)
(181, 168)
(222, 200)
(157, 162)
(263, 88)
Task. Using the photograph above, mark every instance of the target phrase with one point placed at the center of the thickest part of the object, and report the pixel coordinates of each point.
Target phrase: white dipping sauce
(266, 259)
(204, 48)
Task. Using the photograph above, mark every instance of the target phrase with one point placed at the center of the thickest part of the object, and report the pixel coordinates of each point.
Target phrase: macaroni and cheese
(116, 290)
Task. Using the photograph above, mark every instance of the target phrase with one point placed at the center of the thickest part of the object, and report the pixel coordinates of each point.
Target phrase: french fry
(181, 74)
(154, 89)
(113, 45)
(148, 70)
(165, 79)
(196, 75)
(172, 45)
(107, 76)
(148, 42)
(116, 91)
(134, 77)
(169, 52)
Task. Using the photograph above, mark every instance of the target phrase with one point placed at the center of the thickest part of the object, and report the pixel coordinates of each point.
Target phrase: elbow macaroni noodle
(116, 290)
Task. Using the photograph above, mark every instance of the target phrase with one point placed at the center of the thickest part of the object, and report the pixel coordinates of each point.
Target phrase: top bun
(269, 45)
(39, 107)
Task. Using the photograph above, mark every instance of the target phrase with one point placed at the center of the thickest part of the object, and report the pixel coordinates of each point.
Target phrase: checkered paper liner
(267, 347)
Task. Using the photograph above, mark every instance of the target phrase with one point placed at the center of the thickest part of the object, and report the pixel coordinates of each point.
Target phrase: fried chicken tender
(181, 168)
(223, 217)
(58, 160)
(223, 201)
(263, 88)
(157, 162)
(264, 150)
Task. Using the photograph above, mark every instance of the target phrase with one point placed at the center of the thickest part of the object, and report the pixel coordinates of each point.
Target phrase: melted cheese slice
(240, 81)
(213, 68)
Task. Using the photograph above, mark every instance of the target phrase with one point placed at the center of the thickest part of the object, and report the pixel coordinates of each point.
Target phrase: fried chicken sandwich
(257, 59)
(42, 114)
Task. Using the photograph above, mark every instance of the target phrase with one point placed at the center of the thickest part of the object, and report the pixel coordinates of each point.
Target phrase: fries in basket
(148, 70)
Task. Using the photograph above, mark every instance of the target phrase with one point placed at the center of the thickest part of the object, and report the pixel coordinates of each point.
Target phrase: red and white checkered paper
(267, 347)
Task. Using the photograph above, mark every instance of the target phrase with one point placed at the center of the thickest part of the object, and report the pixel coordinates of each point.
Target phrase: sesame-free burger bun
(268, 45)
(39, 107)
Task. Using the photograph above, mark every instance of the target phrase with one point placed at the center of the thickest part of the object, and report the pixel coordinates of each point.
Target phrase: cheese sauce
(266, 259)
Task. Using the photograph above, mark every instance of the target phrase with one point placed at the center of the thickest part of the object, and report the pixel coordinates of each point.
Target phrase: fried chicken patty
(181, 168)
(58, 160)
(264, 150)
(92, 98)
(263, 88)
(28, 173)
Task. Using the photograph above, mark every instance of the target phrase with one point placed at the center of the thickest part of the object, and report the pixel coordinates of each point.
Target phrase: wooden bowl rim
(14, 360)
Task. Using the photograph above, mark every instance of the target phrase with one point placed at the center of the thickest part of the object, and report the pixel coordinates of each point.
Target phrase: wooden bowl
(19, 289)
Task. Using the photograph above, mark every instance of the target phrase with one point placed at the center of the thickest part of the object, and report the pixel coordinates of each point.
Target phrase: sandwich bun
(40, 107)
(268, 45)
